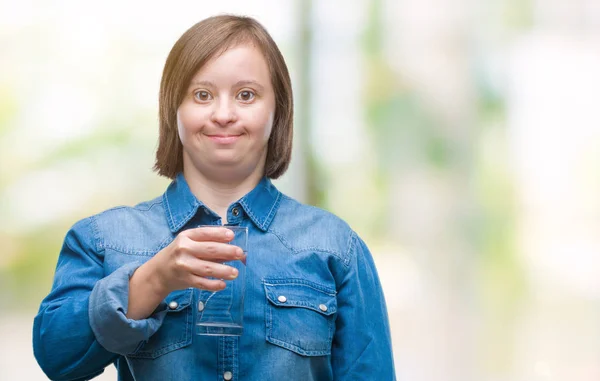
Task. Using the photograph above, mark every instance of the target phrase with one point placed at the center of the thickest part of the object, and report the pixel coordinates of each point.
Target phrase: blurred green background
(460, 139)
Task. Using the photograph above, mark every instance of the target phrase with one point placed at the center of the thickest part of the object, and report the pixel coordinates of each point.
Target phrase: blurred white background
(461, 140)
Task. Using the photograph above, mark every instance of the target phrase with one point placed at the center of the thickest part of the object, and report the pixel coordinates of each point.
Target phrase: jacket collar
(260, 204)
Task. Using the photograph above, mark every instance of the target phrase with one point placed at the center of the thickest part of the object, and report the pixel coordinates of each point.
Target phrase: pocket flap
(301, 293)
(178, 300)
(176, 329)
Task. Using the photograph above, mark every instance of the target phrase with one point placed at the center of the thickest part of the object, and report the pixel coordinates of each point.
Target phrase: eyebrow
(203, 83)
(237, 84)
(249, 83)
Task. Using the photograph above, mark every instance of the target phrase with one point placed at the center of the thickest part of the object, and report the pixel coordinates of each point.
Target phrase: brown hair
(194, 48)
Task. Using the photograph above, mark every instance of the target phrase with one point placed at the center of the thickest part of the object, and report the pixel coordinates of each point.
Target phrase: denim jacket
(302, 252)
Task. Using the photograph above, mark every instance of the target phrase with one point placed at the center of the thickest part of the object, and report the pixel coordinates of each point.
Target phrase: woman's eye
(202, 96)
(245, 95)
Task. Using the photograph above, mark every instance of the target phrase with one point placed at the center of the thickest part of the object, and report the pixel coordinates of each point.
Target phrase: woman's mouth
(224, 138)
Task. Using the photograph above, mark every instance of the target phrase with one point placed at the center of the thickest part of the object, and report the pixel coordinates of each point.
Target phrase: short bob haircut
(206, 39)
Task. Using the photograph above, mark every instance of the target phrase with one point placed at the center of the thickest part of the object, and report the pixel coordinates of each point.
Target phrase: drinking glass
(221, 313)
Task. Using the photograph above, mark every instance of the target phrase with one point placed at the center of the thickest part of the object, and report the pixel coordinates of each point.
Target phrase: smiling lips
(224, 139)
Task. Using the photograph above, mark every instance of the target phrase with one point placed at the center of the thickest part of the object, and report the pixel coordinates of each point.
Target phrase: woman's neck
(218, 194)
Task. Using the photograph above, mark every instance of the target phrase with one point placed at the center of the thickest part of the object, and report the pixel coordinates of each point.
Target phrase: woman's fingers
(195, 259)
(211, 243)
(208, 284)
(210, 269)
(215, 251)
(209, 233)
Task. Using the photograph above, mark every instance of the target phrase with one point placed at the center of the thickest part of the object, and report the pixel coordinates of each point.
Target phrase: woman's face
(226, 117)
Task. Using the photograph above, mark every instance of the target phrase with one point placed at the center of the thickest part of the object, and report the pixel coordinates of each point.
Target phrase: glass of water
(221, 313)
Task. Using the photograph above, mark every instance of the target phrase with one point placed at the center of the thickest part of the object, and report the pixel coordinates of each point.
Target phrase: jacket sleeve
(81, 326)
(362, 347)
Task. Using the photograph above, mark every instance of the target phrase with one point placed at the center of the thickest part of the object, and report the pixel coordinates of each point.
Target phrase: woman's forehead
(243, 62)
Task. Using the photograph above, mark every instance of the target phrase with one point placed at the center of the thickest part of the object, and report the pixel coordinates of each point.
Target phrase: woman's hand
(194, 256)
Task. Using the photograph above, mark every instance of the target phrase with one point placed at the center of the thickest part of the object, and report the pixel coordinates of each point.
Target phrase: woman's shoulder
(119, 220)
(123, 213)
(304, 212)
(307, 227)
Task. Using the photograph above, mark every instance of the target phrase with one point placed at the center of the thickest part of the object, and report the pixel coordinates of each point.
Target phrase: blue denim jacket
(302, 252)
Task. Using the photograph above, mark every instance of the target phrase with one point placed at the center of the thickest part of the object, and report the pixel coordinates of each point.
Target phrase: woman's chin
(227, 165)
(227, 161)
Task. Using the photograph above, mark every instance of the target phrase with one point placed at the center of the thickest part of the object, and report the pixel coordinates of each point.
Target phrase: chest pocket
(300, 316)
(176, 329)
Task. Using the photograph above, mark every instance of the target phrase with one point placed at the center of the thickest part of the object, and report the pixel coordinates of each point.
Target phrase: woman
(128, 279)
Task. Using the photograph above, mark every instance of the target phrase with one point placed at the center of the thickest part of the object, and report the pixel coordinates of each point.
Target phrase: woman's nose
(224, 112)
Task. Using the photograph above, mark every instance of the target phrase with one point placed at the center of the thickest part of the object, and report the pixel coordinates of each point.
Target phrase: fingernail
(234, 273)
(228, 234)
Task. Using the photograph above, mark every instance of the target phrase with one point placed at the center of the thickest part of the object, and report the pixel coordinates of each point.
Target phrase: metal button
(235, 211)
(323, 307)
(227, 376)
(173, 305)
(282, 298)
(200, 306)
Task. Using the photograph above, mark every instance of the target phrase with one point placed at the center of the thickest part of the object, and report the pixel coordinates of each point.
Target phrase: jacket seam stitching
(77, 251)
(275, 282)
(168, 207)
(272, 211)
(185, 219)
(146, 253)
(351, 248)
(150, 206)
(98, 242)
(285, 243)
